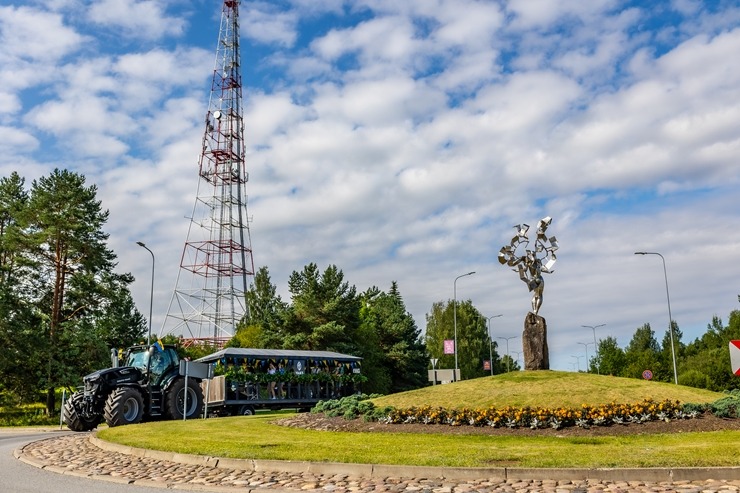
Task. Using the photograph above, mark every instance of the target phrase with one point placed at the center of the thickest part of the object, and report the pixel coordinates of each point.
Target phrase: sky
(403, 141)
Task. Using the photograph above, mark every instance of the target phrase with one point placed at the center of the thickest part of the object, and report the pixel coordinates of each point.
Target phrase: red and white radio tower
(208, 300)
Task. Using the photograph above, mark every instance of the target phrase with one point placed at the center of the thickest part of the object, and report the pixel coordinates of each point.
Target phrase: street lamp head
(649, 253)
(141, 244)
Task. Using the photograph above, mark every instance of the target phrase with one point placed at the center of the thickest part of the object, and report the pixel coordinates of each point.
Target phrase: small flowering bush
(535, 418)
(351, 407)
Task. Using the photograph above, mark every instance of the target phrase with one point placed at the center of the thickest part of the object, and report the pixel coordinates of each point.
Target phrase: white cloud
(270, 114)
(136, 18)
(263, 23)
(15, 140)
(9, 103)
(143, 79)
(543, 13)
(402, 140)
(30, 34)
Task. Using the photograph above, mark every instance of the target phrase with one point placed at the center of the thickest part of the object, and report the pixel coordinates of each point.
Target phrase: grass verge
(545, 389)
(256, 437)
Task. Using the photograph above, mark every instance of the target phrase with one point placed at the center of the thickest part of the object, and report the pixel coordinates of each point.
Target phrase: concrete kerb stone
(56, 469)
(151, 484)
(236, 464)
(215, 488)
(27, 459)
(527, 473)
(289, 466)
(649, 474)
(706, 473)
(188, 459)
(333, 468)
(111, 479)
(114, 447)
(457, 473)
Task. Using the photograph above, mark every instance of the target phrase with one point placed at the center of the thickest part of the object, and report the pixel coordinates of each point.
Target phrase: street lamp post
(507, 350)
(596, 346)
(670, 318)
(578, 361)
(151, 295)
(454, 313)
(490, 341)
(585, 345)
(518, 355)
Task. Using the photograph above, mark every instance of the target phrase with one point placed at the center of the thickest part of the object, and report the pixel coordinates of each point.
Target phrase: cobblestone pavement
(75, 454)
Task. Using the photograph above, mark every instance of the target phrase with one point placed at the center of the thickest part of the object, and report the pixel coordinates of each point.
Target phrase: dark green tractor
(149, 386)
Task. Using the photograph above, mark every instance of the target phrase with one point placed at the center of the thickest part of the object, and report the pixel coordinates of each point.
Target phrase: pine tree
(64, 241)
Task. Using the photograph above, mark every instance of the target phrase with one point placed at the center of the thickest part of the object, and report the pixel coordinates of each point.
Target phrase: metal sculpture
(531, 264)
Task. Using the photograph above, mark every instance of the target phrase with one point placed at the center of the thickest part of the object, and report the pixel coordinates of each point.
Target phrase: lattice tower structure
(209, 296)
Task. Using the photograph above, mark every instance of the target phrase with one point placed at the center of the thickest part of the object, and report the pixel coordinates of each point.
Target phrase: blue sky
(403, 141)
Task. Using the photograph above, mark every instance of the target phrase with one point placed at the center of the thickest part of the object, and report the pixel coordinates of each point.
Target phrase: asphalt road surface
(19, 477)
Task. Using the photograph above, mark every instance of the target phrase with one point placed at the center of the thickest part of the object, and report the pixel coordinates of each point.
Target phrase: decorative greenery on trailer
(248, 379)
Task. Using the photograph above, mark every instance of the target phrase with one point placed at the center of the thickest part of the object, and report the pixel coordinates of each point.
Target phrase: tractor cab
(158, 364)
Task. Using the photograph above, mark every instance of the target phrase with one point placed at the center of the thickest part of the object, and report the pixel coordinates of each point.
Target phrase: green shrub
(727, 407)
(692, 407)
(28, 417)
(15, 412)
(694, 378)
(350, 407)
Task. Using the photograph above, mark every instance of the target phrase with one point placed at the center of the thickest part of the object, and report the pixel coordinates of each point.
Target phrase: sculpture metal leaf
(531, 264)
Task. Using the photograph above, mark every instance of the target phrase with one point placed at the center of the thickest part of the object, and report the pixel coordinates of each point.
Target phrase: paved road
(18, 477)
(76, 456)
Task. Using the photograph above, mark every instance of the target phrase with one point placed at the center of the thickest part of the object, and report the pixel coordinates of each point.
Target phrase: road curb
(374, 471)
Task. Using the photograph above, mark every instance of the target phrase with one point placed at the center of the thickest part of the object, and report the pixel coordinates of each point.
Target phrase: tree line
(326, 313)
(63, 307)
(62, 304)
(702, 363)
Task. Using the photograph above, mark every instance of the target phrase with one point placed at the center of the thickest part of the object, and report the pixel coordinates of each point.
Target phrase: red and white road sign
(735, 356)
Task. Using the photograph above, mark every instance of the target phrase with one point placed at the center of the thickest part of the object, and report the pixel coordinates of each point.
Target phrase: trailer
(248, 379)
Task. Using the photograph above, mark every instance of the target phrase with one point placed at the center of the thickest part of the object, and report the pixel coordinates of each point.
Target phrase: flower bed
(526, 417)
(513, 417)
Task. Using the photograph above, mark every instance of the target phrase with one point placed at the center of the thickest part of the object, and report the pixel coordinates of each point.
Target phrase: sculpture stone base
(534, 343)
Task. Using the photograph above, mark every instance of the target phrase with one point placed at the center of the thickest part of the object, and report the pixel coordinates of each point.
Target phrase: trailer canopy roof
(276, 353)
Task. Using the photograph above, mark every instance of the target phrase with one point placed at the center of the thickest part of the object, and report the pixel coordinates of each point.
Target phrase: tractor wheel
(175, 400)
(124, 406)
(74, 417)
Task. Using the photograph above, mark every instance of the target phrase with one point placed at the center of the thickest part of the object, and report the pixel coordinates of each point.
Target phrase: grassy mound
(257, 437)
(545, 389)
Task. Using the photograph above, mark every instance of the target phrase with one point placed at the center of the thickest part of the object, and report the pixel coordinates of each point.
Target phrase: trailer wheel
(74, 415)
(246, 410)
(175, 400)
(124, 406)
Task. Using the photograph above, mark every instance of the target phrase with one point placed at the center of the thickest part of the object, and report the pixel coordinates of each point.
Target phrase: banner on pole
(449, 346)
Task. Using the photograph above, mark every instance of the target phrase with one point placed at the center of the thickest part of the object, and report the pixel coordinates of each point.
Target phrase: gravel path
(77, 455)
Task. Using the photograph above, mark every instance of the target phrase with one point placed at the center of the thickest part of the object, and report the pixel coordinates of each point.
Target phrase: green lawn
(546, 389)
(256, 437)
